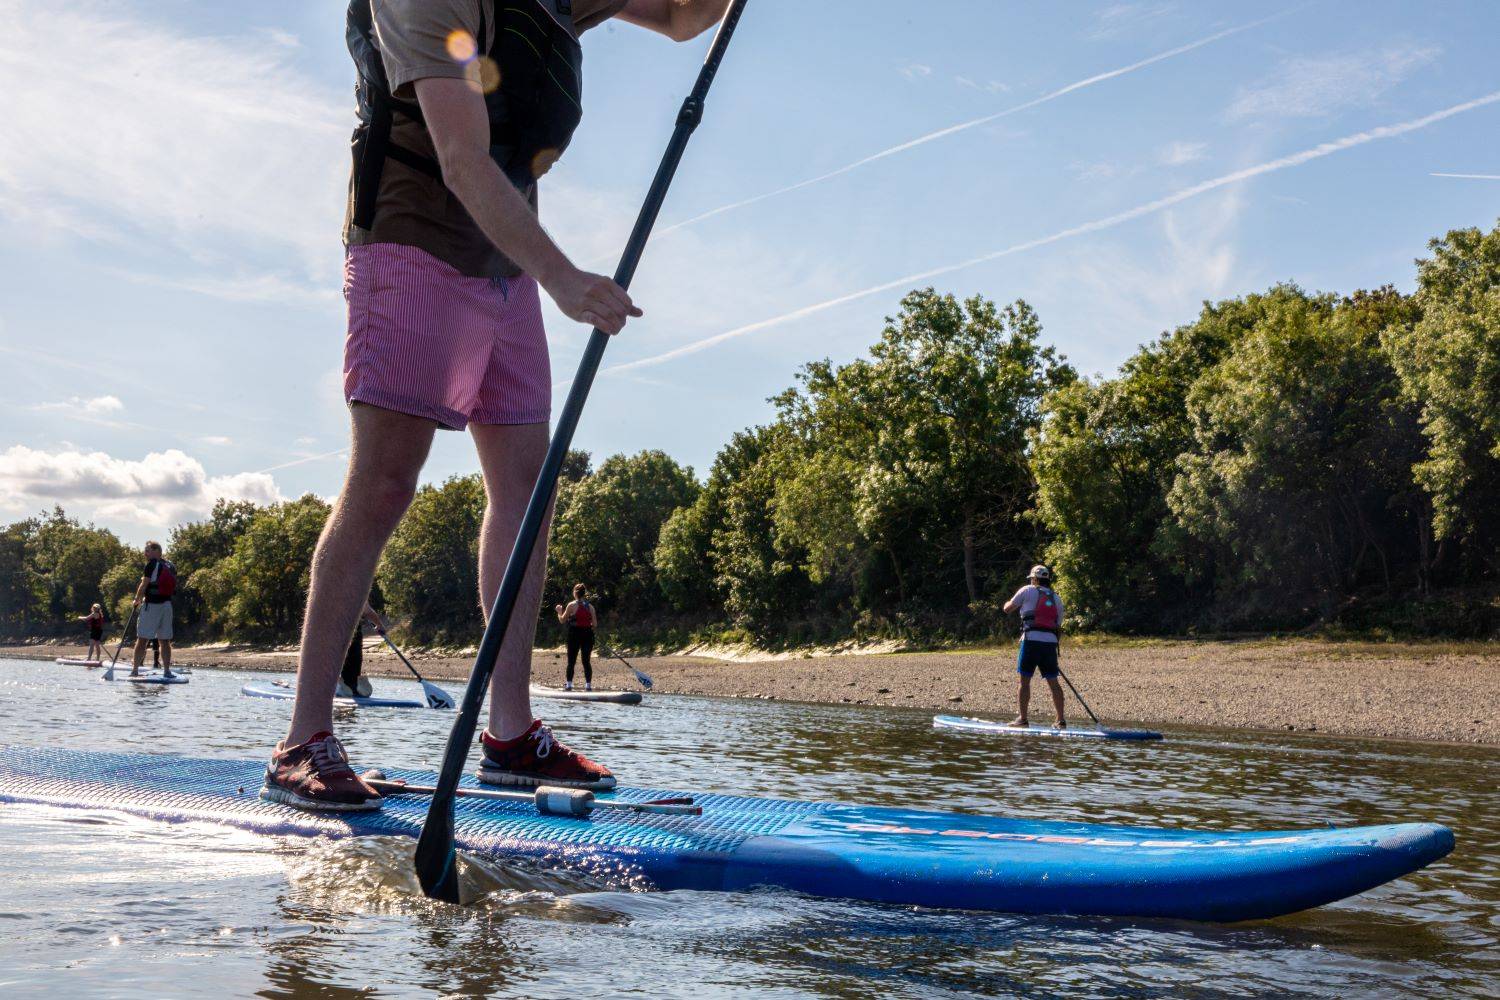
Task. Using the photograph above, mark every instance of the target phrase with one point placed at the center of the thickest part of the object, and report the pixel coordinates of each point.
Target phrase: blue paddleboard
(900, 856)
(985, 726)
(281, 691)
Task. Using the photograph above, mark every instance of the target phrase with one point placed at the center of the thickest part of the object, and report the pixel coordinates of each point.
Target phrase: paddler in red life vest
(95, 621)
(463, 105)
(1041, 627)
(580, 619)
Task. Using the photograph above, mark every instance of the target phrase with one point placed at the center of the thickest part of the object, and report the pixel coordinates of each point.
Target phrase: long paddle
(436, 696)
(109, 672)
(643, 678)
(435, 853)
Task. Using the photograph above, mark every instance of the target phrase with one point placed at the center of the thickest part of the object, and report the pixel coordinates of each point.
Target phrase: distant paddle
(109, 672)
(645, 679)
(437, 870)
(436, 696)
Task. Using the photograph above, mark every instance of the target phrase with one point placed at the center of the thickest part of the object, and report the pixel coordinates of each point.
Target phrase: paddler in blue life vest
(463, 105)
(1041, 627)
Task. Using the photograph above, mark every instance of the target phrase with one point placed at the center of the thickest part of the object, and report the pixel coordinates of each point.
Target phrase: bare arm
(460, 130)
(679, 20)
(140, 591)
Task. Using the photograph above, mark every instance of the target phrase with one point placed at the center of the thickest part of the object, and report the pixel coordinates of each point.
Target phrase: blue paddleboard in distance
(879, 854)
(286, 692)
(986, 726)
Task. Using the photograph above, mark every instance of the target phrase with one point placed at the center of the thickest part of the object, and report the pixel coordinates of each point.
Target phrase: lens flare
(489, 75)
(461, 46)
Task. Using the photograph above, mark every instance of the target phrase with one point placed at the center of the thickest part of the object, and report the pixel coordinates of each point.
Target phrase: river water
(99, 904)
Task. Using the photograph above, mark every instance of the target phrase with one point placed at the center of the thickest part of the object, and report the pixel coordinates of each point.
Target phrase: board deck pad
(988, 726)
(872, 853)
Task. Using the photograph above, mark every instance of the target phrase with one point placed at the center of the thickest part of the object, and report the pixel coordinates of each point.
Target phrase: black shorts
(1034, 654)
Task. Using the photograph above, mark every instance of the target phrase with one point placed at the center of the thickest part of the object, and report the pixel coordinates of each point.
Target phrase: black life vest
(533, 110)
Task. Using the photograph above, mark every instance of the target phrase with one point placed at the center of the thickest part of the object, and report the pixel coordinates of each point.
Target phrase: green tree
(199, 546)
(259, 591)
(922, 449)
(606, 529)
(429, 573)
(1449, 364)
(69, 560)
(21, 594)
(1105, 458)
(1300, 446)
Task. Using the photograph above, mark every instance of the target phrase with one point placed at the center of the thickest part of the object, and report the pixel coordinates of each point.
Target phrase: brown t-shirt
(412, 208)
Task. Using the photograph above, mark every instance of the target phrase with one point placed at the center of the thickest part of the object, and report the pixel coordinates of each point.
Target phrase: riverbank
(1412, 691)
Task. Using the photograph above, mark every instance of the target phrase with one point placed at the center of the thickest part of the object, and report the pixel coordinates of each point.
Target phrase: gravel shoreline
(1447, 693)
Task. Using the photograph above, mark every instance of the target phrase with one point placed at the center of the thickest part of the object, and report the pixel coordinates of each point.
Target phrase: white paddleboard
(151, 678)
(78, 661)
(986, 726)
(282, 691)
(614, 697)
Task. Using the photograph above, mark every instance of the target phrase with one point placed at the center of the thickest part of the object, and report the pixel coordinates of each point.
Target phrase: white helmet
(1040, 572)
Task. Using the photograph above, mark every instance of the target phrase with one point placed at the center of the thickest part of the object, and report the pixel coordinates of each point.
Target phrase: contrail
(1471, 177)
(1150, 207)
(973, 123)
(302, 461)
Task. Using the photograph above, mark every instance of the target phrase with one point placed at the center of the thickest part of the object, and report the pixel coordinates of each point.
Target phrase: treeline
(1286, 461)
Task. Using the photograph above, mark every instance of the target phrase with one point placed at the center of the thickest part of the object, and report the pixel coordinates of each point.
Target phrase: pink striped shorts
(426, 340)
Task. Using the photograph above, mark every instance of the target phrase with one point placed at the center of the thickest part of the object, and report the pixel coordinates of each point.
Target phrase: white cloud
(1177, 154)
(915, 71)
(215, 145)
(96, 406)
(217, 440)
(1315, 86)
(1094, 172)
(162, 488)
(1119, 18)
(1471, 177)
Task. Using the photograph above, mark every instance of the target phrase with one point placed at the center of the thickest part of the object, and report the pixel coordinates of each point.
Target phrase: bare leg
(140, 655)
(384, 463)
(1057, 702)
(1023, 701)
(511, 455)
(166, 655)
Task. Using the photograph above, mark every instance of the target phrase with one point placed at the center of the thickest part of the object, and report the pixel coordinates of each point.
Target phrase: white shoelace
(543, 741)
(329, 757)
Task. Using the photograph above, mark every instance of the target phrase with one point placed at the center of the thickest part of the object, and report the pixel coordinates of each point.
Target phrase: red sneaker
(316, 775)
(536, 757)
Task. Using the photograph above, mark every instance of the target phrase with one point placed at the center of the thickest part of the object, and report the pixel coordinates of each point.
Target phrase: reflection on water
(126, 907)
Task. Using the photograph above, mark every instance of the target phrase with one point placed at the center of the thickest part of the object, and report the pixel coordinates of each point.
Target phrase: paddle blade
(437, 860)
(437, 697)
(645, 679)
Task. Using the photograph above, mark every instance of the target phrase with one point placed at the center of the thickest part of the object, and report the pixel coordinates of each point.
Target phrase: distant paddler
(352, 682)
(580, 618)
(95, 621)
(153, 601)
(1041, 628)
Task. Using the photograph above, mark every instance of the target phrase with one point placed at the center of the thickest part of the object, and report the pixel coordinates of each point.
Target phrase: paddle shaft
(640, 677)
(400, 655)
(1079, 697)
(109, 673)
(435, 851)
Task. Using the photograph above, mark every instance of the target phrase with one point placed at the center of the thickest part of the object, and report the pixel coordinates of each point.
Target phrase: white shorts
(155, 621)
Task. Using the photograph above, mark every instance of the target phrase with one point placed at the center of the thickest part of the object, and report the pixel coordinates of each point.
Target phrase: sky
(172, 178)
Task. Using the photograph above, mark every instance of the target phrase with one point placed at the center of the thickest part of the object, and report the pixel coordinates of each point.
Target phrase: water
(105, 905)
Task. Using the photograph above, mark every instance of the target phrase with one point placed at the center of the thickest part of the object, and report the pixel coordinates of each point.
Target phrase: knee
(384, 496)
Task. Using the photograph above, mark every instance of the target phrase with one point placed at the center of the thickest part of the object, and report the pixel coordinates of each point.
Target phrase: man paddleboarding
(463, 105)
(153, 601)
(1041, 628)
